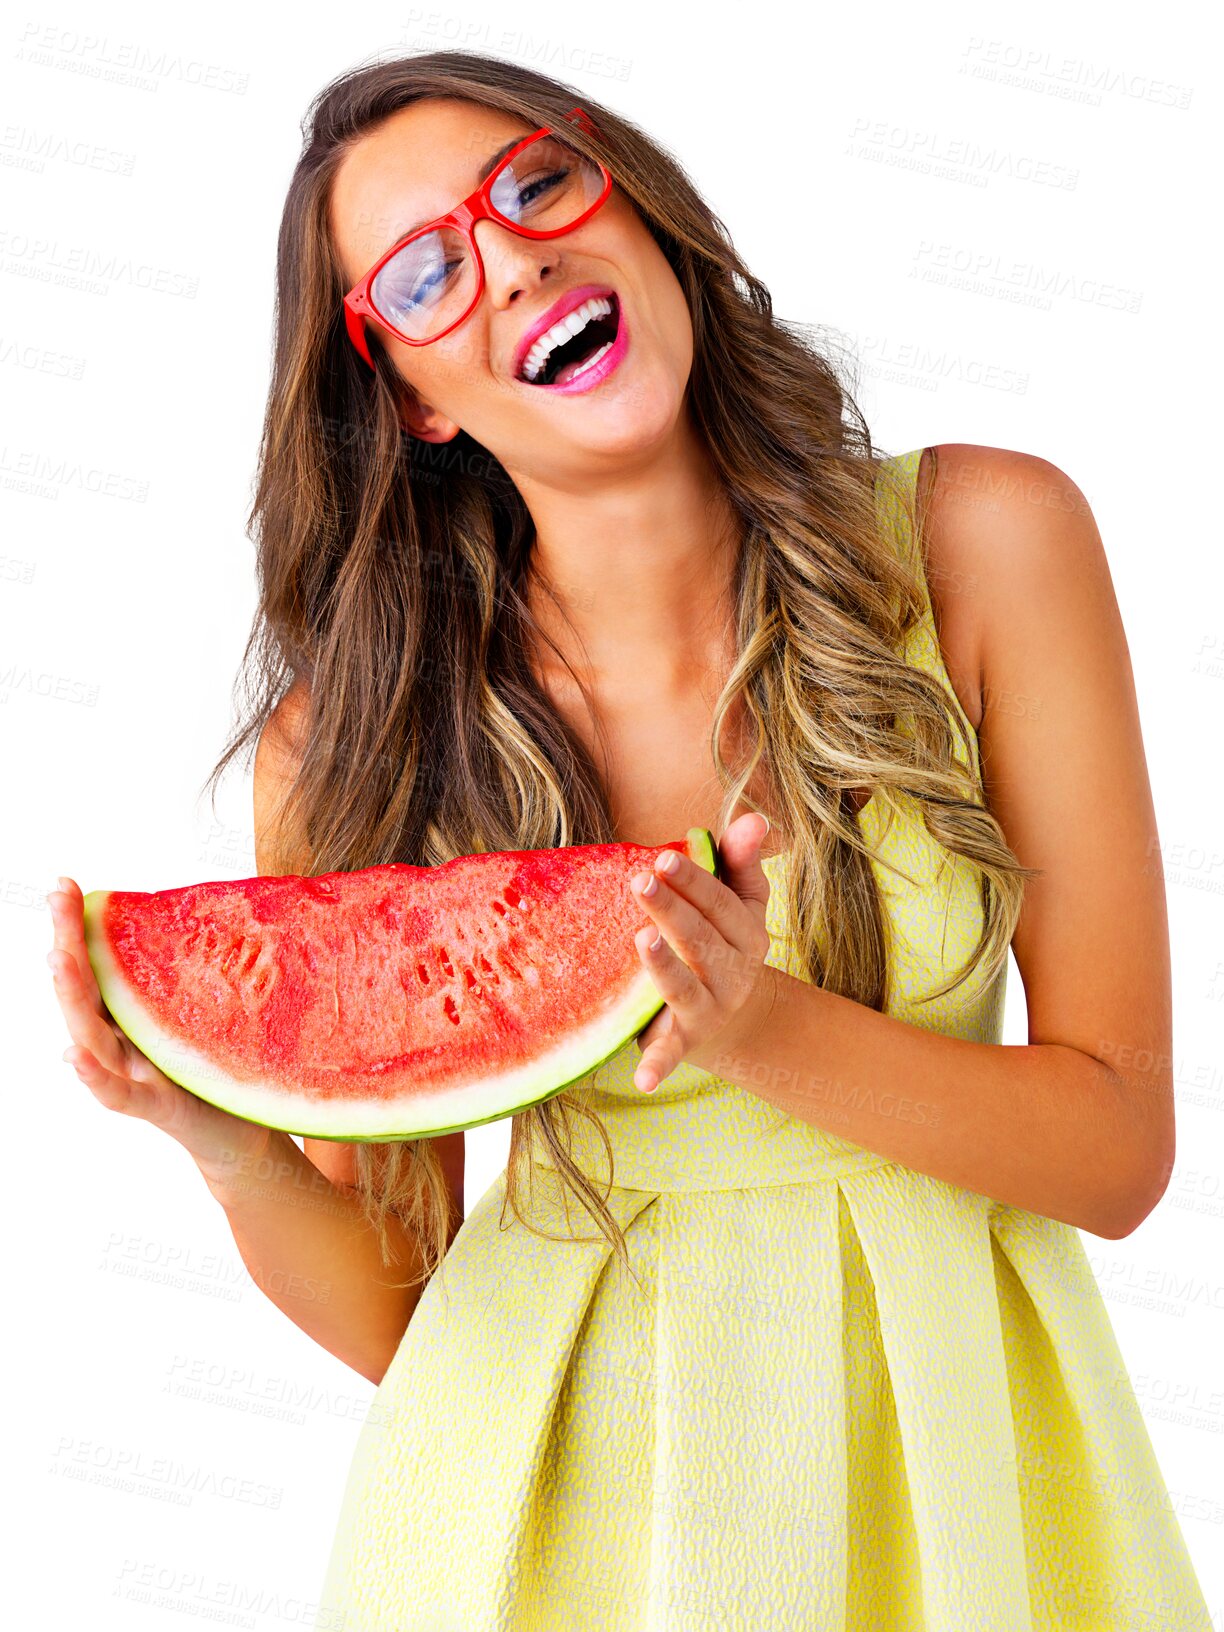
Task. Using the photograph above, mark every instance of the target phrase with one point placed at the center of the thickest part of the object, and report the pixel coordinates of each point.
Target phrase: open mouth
(575, 343)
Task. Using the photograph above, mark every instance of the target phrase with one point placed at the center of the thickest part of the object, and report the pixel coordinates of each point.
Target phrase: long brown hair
(392, 581)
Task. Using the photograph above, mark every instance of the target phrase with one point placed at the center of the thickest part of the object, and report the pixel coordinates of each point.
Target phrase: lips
(562, 307)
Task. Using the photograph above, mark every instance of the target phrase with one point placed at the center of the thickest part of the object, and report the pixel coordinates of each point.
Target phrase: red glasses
(430, 281)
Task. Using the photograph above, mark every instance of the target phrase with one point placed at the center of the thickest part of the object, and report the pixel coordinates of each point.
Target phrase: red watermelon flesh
(391, 1002)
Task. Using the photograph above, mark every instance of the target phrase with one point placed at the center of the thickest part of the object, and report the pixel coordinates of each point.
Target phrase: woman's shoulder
(982, 500)
(279, 847)
(995, 527)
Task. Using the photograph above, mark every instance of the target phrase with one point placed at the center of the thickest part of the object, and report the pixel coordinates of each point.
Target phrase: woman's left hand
(710, 964)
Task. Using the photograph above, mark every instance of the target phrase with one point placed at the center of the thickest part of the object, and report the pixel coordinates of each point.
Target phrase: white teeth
(591, 360)
(571, 324)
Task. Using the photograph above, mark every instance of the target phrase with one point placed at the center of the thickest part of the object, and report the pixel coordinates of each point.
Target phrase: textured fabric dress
(836, 1394)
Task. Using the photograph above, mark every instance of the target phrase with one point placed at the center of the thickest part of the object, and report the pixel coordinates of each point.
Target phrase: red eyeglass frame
(358, 306)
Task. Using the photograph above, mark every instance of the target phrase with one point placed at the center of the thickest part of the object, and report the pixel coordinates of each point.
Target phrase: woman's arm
(298, 1226)
(1078, 1123)
(308, 1247)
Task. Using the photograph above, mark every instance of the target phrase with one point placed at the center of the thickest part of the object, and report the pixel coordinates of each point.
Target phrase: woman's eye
(534, 189)
(427, 287)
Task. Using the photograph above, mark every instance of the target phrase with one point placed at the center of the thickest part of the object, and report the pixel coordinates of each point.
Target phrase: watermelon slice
(389, 1003)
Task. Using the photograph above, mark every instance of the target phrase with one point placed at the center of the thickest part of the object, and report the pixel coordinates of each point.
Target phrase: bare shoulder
(278, 757)
(283, 736)
(1004, 531)
(997, 508)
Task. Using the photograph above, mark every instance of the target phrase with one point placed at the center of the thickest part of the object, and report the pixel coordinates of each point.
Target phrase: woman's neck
(641, 565)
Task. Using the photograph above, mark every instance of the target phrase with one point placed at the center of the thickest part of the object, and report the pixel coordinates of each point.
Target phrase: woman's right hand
(123, 1079)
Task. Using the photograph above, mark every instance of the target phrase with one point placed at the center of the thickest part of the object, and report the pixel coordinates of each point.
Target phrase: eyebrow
(483, 174)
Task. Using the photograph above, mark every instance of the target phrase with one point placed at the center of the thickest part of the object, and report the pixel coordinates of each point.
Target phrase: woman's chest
(656, 763)
(657, 810)
(662, 780)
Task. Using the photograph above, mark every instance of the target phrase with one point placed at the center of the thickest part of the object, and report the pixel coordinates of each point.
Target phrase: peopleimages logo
(25, 148)
(32, 470)
(57, 688)
(236, 1602)
(82, 266)
(1072, 79)
(130, 1469)
(121, 62)
(1022, 282)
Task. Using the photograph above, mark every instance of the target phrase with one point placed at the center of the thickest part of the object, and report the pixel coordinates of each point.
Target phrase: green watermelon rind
(577, 1055)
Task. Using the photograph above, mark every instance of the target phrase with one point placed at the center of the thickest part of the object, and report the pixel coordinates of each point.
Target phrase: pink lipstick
(584, 358)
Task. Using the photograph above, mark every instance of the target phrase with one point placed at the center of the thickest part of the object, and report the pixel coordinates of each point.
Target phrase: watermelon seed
(499, 909)
(512, 895)
(452, 1013)
(448, 968)
(424, 974)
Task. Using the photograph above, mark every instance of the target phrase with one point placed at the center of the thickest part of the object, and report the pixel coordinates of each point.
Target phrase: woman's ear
(424, 422)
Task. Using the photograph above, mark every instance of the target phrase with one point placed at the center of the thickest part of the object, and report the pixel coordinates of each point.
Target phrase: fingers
(740, 854)
(86, 1026)
(67, 906)
(658, 1060)
(710, 896)
(721, 901)
(110, 1089)
(116, 1072)
(680, 989)
(119, 1076)
(704, 921)
(652, 1069)
(679, 985)
(706, 941)
(89, 1024)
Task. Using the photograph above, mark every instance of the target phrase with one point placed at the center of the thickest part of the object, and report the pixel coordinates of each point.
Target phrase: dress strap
(897, 510)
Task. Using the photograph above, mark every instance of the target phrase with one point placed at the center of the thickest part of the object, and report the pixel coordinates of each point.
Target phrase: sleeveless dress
(835, 1395)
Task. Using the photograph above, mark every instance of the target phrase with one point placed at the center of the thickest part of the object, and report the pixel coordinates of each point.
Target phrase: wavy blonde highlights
(392, 589)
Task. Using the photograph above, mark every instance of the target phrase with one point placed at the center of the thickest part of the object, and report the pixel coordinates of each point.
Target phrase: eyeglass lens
(429, 283)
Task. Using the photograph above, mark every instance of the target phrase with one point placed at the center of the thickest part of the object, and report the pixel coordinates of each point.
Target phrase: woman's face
(420, 163)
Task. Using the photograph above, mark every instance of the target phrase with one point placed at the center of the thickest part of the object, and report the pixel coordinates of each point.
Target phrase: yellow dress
(836, 1395)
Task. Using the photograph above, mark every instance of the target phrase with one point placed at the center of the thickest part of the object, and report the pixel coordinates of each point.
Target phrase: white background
(1004, 210)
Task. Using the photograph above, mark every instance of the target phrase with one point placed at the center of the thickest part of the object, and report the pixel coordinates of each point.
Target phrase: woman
(564, 537)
